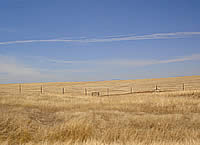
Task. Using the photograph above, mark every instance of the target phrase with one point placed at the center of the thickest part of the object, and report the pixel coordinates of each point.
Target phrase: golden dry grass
(158, 118)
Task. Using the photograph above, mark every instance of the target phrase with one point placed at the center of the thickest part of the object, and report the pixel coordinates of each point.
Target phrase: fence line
(109, 91)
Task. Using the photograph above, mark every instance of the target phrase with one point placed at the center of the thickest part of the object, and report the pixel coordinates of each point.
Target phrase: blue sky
(85, 40)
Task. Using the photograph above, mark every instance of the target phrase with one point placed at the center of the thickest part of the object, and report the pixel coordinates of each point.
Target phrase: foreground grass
(152, 118)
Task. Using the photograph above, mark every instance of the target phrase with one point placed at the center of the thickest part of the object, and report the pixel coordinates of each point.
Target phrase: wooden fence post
(20, 88)
(107, 91)
(41, 90)
(63, 90)
(156, 88)
(131, 90)
(183, 87)
(85, 92)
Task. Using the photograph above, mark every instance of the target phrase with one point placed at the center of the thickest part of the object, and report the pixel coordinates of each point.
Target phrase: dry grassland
(171, 117)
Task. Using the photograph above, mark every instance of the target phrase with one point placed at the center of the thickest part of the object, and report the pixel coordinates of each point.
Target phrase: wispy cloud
(130, 37)
(14, 70)
(154, 62)
(9, 65)
(128, 62)
(181, 59)
(11, 70)
(68, 61)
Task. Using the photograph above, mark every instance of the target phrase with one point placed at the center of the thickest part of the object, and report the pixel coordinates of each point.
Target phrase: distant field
(127, 112)
(115, 87)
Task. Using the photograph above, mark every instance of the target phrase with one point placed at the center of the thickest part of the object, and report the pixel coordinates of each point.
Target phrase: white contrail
(34, 41)
(130, 37)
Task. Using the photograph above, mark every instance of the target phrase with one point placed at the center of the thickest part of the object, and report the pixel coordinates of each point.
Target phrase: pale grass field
(53, 118)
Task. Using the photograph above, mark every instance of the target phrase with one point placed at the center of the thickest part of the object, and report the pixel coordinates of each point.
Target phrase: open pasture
(142, 116)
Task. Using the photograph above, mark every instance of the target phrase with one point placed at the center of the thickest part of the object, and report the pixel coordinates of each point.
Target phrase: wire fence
(100, 89)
